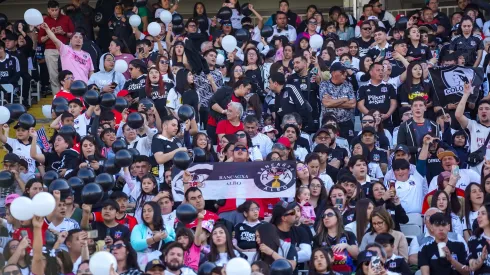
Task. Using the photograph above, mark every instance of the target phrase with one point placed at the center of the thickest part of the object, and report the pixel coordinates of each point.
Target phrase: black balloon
(182, 160)
(147, 102)
(61, 185)
(185, 112)
(107, 100)
(245, 10)
(16, 110)
(281, 267)
(266, 31)
(49, 177)
(123, 158)
(106, 181)
(135, 120)
(75, 183)
(121, 104)
(6, 179)
(186, 213)
(111, 167)
(59, 101)
(134, 152)
(206, 268)
(242, 35)
(27, 121)
(177, 19)
(178, 29)
(60, 109)
(3, 20)
(199, 155)
(92, 193)
(224, 13)
(78, 88)
(119, 144)
(67, 130)
(91, 97)
(86, 174)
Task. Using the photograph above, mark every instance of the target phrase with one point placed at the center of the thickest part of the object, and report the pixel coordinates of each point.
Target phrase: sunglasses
(117, 246)
(366, 29)
(15, 272)
(243, 149)
(367, 121)
(379, 5)
(329, 215)
(312, 23)
(292, 213)
(240, 135)
(164, 62)
(322, 137)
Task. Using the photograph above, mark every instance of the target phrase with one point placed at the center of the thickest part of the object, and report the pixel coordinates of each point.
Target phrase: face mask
(347, 63)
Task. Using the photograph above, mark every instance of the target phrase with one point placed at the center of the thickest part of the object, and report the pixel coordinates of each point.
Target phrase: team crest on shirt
(303, 87)
(411, 183)
(384, 89)
(393, 264)
(285, 95)
(118, 234)
(422, 51)
(473, 43)
(376, 157)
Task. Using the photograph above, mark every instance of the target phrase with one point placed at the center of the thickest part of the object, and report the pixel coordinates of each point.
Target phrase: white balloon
(4, 114)
(121, 66)
(154, 29)
(21, 209)
(33, 17)
(100, 263)
(166, 17)
(47, 111)
(229, 43)
(316, 41)
(238, 266)
(43, 204)
(220, 59)
(134, 20)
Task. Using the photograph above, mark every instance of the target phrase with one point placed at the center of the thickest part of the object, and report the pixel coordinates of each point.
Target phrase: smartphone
(455, 170)
(339, 203)
(114, 84)
(376, 263)
(108, 233)
(392, 186)
(435, 54)
(93, 234)
(91, 158)
(23, 233)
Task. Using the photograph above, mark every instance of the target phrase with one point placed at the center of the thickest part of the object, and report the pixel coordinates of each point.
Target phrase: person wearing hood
(107, 79)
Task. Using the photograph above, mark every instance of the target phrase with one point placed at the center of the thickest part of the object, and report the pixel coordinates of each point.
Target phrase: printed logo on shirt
(384, 89)
(434, 257)
(285, 94)
(393, 264)
(118, 234)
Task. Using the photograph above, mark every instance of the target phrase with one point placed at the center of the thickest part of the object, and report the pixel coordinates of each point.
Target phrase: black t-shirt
(118, 232)
(376, 51)
(342, 261)
(434, 167)
(398, 265)
(190, 97)
(364, 46)
(378, 156)
(296, 236)
(257, 82)
(377, 97)
(422, 52)
(467, 46)
(475, 247)
(423, 89)
(381, 142)
(135, 87)
(397, 68)
(165, 145)
(429, 256)
(245, 235)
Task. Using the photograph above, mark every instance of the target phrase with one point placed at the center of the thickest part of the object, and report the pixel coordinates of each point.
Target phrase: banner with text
(229, 180)
(449, 83)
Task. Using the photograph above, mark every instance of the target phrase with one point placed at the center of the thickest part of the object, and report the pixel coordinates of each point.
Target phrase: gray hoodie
(103, 77)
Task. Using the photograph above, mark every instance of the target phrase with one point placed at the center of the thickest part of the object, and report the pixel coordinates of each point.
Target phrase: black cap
(11, 157)
(225, 22)
(365, 256)
(321, 148)
(402, 147)
(398, 42)
(337, 66)
(11, 36)
(153, 264)
(111, 203)
(280, 209)
(368, 130)
(20, 125)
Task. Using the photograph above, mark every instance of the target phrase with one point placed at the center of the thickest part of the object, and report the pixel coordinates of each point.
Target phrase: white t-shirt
(478, 135)
(66, 225)
(174, 100)
(24, 152)
(289, 33)
(411, 194)
(374, 170)
(81, 123)
(467, 176)
(169, 219)
(254, 154)
(264, 143)
(472, 217)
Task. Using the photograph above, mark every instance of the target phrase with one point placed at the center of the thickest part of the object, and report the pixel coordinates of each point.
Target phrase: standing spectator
(62, 29)
(467, 44)
(83, 16)
(365, 40)
(73, 58)
(292, 18)
(282, 28)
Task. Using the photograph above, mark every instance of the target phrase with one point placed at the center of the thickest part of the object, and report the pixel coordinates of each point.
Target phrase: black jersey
(468, 47)
(475, 247)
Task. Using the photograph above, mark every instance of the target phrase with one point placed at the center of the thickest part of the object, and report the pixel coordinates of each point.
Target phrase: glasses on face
(240, 135)
(301, 168)
(315, 186)
(15, 272)
(255, 209)
(378, 223)
(366, 29)
(292, 213)
(117, 246)
(322, 137)
(367, 121)
(328, 215)
(69, 78)
(243, 149)
(164, 62)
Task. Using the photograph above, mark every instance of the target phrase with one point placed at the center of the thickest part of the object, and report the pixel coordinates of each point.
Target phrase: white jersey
(24, 152)
(478, 135)
(264, 143)
(81, 123)
(174, 100)
(467, 176)
(66, 225)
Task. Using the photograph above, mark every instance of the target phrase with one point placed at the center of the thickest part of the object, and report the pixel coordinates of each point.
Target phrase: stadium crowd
(406, 191)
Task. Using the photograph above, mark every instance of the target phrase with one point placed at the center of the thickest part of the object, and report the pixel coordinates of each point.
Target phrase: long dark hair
(231, 73)
(237, 6)
(327, 253)
(468, 205)
(268, 236)
(169, 70)
(480, 230)
(157, 220)
(409, 80)
(362, 220)
(132, 257)
(183, 231)
(256, 104)
(204, 13)
(245, 207)
(160, 84)
(259, 57)
(213, 255)
(97, 154)
(447, 212)
(29, 184)
(380, 130)
(142, 197)
(322, 235)
(465, 18)
(181, 83)
(210, 153)
(323, 191)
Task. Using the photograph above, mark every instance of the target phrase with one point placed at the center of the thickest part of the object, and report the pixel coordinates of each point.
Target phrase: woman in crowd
(321, 262)
(226, 154)
(90, 150)
(271, 247)
(381, 222)
(478, 243)
(149, 236)
(473, 200)
(331, 233)
(302, 175)
(156, 90)
(441, 201)
(390, 202)
(253, 151)
(378, 125)
(236, 72)
(137, 83)
(313, 162)
(318, 195)
(416, 86)
(344, 31)
(338, 199)
(15, 254)
(354, 48)
(163, 64)
(221, 246)
(415, 49)
(201, 140)
(126, 257)
(62, 150)
(253, 69)
(473, 54)
(107, 79)
(199, 11)
(364, 208)
(184, 86)
(178, 52)
(33, 187)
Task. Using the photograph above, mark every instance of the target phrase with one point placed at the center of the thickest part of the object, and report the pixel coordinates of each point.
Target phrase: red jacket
(62, 21)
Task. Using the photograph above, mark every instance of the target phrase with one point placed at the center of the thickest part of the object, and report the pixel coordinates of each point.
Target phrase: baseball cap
(321, 148)
(11, 157)
(365, 256)
(321, 130)
(372, 17)
(442, 176)
(225, 22)
(368, 130)
(337, 66)
(153, 264)
(402, 147)
(20, 125)
(448, 153)
(284, 141)
(280, 210)
(269, 128)
(123, 93)
(10, 198)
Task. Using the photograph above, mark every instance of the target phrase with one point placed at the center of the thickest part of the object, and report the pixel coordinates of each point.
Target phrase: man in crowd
(410, 190)
(282, 28)
(263, 142)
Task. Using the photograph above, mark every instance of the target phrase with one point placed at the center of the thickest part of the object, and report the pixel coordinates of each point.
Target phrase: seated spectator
(394, 263)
